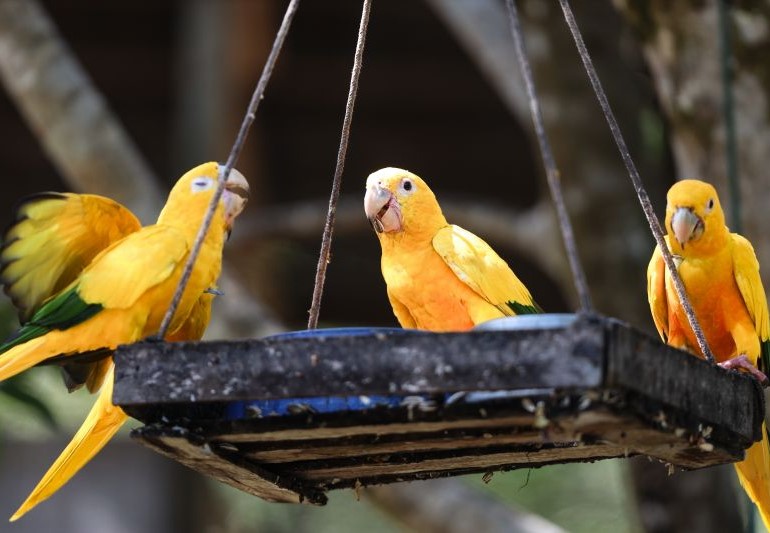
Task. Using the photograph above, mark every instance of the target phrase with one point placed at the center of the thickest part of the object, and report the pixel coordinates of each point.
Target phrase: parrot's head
(398, 201)
(192, 195)
(695, 221)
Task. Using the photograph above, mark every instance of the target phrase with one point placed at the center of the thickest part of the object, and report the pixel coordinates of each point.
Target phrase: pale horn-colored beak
(686, 225)
(235, 196)
(382, 209)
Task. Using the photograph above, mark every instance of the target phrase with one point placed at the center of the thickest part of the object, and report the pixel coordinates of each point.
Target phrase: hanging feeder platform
(290, 417)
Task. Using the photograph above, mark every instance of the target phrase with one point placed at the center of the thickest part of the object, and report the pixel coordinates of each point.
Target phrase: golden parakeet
(121, 297)
(439, 277)
(721, 275)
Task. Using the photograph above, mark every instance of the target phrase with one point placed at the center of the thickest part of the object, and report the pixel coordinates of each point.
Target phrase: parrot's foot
(742, 362)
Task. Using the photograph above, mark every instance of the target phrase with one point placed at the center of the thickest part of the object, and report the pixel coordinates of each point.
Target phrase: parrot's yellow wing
(746, 271)
(128, 269)
(115, 279)
(656, 292)
(53, 238)
(477, 265)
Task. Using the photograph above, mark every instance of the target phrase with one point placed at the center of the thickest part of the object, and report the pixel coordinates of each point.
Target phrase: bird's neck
(188, 221)
(416, 235)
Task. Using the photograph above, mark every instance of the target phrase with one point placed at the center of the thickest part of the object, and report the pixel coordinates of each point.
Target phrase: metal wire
(326, 240)
(644, 199)
(551, 170)
(224, 171)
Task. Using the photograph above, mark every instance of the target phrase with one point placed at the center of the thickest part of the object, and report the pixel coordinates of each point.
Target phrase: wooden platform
(589, 388)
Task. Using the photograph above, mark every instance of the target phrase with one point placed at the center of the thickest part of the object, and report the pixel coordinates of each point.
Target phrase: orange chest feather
(716, 300)
(435, 297)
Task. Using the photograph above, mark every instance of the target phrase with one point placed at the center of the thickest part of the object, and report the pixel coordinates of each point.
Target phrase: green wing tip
(525, 309)
(65, 310)
(764, 360)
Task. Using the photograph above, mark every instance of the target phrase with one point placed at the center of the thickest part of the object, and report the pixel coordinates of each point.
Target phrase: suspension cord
(224, 171)
(551, 170)
(644, 199)
(326, 240)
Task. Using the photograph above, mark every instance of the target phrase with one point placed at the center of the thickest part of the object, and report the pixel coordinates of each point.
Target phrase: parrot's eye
(407, 185)
(201, 184)
(710, 205)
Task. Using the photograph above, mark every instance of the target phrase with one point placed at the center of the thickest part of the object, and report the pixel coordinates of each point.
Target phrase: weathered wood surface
(188, 449)
(366, 364)
(591, 390)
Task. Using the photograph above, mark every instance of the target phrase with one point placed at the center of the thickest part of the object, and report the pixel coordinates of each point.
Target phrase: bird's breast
(435, 297)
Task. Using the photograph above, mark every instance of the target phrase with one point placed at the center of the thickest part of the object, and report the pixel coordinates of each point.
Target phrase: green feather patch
(524, 309)
(764, 356)
(63, 311)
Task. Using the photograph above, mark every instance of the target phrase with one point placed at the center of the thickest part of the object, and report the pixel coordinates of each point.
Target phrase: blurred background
(440, 95)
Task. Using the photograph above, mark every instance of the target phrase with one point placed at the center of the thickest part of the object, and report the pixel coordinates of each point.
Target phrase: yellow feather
(102, 422)
(754, 476)
(56, 236)
(656, 292)
(476, 264)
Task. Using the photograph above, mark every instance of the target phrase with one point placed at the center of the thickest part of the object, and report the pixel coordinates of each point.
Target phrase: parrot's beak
(686, 225)
(235, 196)
(382, 209)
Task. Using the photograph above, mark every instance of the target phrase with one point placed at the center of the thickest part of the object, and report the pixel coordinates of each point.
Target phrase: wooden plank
(176, 444)
(330, 449)
(697, 390)
(569, 357)
(405, 428)
(483, 460)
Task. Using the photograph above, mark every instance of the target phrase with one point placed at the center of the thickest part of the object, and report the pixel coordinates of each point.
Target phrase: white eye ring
(407, 186)
(201, 184)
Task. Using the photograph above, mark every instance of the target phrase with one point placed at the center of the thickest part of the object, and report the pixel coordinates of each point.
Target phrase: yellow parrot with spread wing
(119, 297)
(721, 275)
(439, 277)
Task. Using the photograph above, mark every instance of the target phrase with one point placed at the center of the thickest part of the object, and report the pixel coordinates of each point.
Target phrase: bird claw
(742, 362)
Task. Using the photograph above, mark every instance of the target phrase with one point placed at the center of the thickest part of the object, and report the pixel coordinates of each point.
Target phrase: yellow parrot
(439, 277)
(721, 275)
(54, 237)
(121, 297)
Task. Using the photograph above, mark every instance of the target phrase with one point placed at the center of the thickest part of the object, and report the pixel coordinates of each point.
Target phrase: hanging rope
(551, 170)
(644, 199)
(224, 171)
(326, 241)
(728, 110)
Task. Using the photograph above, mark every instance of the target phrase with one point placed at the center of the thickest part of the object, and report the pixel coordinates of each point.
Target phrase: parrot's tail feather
(24, 356)
(754, 475)
(102, 422)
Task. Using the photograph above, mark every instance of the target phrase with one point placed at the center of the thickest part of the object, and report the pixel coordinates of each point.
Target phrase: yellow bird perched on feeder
(119, 297)
(721, 275)
(439, 277)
